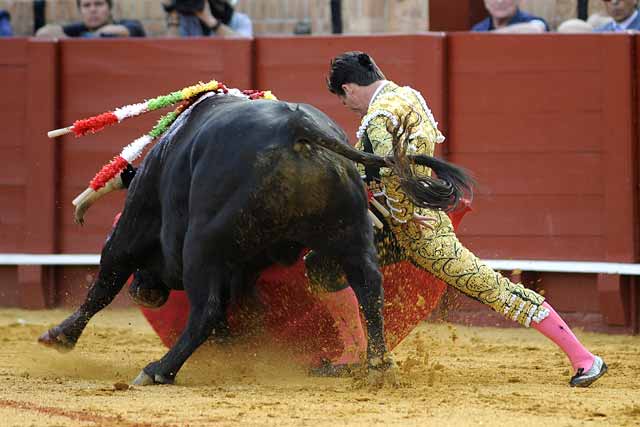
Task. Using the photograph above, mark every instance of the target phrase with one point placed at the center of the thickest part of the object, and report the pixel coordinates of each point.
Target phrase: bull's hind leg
(366, 280)
(111, 278)
(204, 278)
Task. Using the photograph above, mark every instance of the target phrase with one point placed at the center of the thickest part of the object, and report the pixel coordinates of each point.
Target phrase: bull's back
(250, 172)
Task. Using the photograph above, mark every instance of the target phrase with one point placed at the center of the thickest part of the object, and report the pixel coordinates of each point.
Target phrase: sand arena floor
(450, 376)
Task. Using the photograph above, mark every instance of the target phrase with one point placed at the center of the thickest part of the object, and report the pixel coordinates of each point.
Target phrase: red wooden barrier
(13, 77)
(548, 125)
(13, 173)
(28, 73)
(542, 121)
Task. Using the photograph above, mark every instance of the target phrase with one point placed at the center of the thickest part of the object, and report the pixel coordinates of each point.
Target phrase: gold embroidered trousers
(440, 252)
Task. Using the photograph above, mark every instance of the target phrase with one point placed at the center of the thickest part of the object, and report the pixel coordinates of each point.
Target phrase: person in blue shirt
(96, 22)
(5, 24)
(505, 16)
(622, 16)
(625, 16)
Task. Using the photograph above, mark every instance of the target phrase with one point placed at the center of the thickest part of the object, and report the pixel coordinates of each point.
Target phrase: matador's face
(354, 98)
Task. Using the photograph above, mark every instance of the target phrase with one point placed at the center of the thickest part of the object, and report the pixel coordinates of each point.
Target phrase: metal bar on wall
(626, 269)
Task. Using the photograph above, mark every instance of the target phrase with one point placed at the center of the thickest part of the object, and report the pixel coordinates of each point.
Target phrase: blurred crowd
(184, 18)
(506, 16)
(188, 18)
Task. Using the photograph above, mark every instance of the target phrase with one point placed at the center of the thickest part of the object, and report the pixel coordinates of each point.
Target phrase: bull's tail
(445, 192)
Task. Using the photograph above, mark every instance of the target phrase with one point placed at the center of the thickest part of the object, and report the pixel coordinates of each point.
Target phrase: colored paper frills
(132, 151)
(97, 123)
(108, 171)
(93, 124)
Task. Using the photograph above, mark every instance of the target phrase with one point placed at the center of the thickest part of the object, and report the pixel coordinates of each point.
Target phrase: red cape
(295, 318)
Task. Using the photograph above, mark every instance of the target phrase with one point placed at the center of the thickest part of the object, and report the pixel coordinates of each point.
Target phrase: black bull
(237, 186)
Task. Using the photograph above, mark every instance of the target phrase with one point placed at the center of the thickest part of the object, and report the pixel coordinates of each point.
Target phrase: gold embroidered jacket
(390, 105)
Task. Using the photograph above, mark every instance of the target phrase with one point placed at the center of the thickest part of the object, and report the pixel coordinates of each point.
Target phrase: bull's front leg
(366, 280)
(203, 282)
(111, 278)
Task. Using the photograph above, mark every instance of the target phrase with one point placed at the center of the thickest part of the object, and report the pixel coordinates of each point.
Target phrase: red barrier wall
(547, 124)
(636, 154)
(13, 80)
(28, 73)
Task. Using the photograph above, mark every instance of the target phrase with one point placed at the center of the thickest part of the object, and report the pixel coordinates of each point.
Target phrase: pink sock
(554, 328)
(345, 312)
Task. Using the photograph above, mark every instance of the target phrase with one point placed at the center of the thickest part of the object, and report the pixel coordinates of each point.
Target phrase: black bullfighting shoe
(328, 369)
(146, 292)
(584, 379)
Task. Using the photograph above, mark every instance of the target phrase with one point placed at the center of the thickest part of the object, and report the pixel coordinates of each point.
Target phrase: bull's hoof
(144, 379)
(378, 379)
(54, 338)
(148, 297)
(382, 371)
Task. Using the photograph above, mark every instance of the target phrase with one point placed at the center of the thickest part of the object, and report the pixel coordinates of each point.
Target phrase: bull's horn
(89, 196)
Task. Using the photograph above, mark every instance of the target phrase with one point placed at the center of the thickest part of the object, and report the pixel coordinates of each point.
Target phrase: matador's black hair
(352, 67)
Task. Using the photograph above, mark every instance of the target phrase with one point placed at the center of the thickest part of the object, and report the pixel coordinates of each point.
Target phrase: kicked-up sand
(450, 375)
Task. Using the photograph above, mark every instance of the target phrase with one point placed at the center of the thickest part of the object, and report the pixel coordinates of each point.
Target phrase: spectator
(505, 16)
(302, 28)
(97, 21)
(623, 16)
(5, 24)
(192, 18)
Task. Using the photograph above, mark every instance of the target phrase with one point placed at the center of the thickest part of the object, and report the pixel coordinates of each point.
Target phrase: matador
(425, 237)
